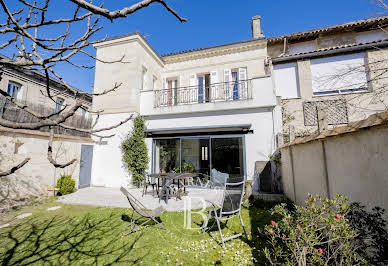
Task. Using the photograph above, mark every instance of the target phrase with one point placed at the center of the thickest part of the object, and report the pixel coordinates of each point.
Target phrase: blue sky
(213, 22)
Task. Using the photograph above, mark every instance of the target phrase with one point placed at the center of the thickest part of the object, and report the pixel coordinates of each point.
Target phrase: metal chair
(149, 181)
(230, 207)
(141, 210)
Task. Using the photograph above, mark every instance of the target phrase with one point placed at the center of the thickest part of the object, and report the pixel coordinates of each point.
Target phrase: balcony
(253, 93)
(220, 92)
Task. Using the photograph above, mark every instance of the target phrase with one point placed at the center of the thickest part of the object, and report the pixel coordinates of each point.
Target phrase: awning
(205, 130)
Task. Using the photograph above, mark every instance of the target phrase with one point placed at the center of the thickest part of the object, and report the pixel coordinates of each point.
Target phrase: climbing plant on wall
(134, 151)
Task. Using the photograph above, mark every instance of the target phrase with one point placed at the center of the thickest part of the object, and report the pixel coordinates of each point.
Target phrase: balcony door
(204, 88)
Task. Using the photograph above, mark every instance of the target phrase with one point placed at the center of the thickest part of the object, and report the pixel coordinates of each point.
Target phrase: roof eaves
(312, 32)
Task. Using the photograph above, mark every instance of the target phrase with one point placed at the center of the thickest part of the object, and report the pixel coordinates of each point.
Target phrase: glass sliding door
(210, 155)
(227, 157)
(167, 155)
(195, 155)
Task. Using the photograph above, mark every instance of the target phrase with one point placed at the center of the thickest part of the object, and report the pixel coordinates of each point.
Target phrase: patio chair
(230, 207)
(143, 212)
(150, 181)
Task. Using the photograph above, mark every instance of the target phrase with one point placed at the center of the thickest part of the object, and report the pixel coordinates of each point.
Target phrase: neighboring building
(30, 86)
(341, 68)
(219, 108)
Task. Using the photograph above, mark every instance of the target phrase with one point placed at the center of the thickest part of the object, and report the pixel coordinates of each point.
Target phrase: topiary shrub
(65, 184)
(315, 234)
(134, 151)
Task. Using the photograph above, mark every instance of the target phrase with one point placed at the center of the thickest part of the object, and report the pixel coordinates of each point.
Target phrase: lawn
(83, 235)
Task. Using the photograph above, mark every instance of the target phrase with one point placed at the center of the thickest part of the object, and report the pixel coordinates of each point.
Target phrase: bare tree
(24, 30)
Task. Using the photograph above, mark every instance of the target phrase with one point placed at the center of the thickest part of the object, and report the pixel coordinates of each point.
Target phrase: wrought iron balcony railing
(218, 92)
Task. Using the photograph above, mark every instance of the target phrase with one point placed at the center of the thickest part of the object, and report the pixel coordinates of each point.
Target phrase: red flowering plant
(315, 234)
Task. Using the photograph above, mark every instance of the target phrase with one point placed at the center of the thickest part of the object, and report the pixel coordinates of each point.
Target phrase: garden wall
(33, 179)
(351, 160)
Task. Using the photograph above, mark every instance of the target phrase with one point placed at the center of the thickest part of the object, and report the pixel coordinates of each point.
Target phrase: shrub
(317, 234)
(134, 151)
(372, 233)
(66, 184)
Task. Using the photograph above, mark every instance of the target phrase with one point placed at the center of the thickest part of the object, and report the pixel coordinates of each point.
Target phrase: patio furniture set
(230, 205)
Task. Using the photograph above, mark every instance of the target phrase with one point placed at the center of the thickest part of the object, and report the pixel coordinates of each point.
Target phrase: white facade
(235, 90)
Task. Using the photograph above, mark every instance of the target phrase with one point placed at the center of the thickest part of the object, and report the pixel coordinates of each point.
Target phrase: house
(219, 109)
(341, 68)
(30, 86)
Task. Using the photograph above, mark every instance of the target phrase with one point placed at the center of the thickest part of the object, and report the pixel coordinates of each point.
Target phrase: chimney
(256, 28)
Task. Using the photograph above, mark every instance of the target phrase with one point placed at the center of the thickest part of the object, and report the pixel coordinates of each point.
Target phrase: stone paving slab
(112, 197)
(54, 208)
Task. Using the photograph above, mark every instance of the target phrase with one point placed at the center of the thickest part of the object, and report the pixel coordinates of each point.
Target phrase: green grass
(83, 235)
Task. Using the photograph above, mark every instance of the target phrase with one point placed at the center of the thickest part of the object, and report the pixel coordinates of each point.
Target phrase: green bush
(315, 234)
(134, 151)
(65, 184)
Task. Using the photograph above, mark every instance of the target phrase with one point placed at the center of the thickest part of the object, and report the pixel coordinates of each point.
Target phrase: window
(172, 85)
(13, 89)
(59, 103)
(84, 112)
(286, 81)
(144, 79)
(339, 74)
(154, 81)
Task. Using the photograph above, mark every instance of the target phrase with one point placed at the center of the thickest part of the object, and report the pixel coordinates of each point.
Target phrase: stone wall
(33, 180)
(349, 160)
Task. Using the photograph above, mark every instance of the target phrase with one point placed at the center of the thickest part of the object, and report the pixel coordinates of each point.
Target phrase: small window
(13, 89)
(84, 112)
(59, 103)
(144, 79)
(154, 80)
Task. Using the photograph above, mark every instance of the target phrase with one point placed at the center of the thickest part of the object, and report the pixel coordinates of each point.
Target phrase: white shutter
(192, 93)
(214, 86)
(227, 84)
(243, 84)
(19, 95)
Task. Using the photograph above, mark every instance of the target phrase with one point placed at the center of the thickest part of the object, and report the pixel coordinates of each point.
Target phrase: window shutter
(243, 83)
(214, 90)
(19, 95)
(227, 84)
(193, 80)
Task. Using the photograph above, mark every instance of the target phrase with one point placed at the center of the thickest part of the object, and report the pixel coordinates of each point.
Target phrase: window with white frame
(14, 89)
(154, 81)
(144, 78)
(339, 74)
(84, 112)
(59, 103)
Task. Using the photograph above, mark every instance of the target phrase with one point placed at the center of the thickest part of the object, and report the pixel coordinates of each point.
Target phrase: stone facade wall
(33, 180)
(359, 105)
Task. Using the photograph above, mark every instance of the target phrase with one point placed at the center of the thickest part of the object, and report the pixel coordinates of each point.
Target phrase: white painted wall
(286, 80)
(259, 144)
(301, 48)
(371, 36)
(107, 168)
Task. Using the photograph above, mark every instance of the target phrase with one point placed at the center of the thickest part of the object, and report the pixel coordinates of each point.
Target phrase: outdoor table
(180, 177)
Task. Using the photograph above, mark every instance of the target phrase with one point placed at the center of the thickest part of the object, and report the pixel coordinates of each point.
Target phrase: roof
(346, 48)
(211, 47)
(378, 119)
(359, 24)
(40, 76)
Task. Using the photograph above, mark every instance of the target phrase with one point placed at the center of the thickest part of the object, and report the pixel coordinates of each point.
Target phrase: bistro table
(168, 179)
